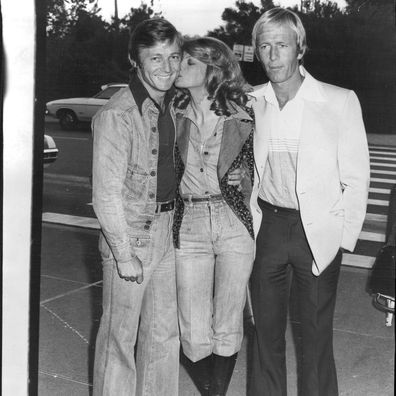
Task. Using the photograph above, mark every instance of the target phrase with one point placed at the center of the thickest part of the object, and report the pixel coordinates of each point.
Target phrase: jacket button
(154, 151)
(154, 129)
(146, 227)
(151, 195)
(152, 173)
(201, 170)
(148, 222)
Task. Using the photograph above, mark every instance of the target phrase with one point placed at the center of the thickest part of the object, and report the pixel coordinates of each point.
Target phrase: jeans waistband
(276, 209)
(165, 206)
(208, 198)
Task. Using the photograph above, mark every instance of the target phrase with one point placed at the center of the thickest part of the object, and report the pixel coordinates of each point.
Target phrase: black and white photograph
(198, 197)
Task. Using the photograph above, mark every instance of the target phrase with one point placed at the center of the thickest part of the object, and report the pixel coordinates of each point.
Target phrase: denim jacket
(125, 156)
(236, 151)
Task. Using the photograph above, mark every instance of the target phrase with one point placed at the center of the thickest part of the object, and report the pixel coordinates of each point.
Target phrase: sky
(192, 17)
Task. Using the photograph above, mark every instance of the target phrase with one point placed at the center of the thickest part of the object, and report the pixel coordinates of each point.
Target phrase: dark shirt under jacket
(166, 177)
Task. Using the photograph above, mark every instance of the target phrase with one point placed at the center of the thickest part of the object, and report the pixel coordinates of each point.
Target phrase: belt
(276, 209)
(208, 198)
(165, 206)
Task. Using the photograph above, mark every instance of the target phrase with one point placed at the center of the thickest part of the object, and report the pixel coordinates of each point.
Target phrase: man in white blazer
(308, 204)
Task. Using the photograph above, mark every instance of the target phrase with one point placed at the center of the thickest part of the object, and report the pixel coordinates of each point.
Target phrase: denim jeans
(213, 266)
(156, 369)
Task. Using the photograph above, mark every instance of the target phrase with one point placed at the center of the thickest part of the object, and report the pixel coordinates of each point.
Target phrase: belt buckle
(163, 205)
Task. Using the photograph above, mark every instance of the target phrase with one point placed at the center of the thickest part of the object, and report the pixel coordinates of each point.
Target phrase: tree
(84, 51)
(238, 28)
(62, 13)
(354, 48)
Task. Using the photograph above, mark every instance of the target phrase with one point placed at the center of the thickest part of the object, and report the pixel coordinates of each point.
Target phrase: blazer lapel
(235, 133)
(311, 140)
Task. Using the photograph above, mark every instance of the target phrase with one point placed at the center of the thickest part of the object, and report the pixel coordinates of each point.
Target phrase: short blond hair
(281, 16)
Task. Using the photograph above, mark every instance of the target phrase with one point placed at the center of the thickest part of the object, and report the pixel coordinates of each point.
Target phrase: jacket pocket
(141, 246)
(136, 185)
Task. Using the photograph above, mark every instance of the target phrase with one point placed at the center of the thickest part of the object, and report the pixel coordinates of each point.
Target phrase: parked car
(73, 110)
(50, 150)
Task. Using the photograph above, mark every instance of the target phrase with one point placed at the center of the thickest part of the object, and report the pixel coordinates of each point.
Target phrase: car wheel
(68, 120)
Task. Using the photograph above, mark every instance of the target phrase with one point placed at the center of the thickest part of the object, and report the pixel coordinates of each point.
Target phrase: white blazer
(333, 169)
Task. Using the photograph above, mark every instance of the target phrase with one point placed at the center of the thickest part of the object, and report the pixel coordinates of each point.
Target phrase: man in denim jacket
(133, 196)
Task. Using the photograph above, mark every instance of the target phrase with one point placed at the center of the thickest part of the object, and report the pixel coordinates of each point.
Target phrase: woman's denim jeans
(154, 303)
(213, 266)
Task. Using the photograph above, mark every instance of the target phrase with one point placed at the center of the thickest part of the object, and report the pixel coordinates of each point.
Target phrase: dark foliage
(354, 48)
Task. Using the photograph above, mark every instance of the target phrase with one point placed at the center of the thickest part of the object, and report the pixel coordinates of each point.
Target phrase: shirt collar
(235, 110)
(309, 90)
(140, 93)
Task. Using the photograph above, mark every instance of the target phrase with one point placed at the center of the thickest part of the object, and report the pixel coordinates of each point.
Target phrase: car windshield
(107, 93)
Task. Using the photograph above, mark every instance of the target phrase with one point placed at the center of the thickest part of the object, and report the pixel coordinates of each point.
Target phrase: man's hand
(235, 177)
(131, 270)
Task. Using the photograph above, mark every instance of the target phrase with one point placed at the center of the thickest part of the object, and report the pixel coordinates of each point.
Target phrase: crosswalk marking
(383, 152)
(383, 164)
(379, 202)
(379, 190)
(379, 147)
(372, 236)
(380, 180)
(376, 217)
(391, 159)
(383, 172)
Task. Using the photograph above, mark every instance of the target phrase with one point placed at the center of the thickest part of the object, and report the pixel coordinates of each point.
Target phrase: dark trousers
(281, 243)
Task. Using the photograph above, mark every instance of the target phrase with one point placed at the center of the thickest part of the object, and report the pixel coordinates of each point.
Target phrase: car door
(95, 103)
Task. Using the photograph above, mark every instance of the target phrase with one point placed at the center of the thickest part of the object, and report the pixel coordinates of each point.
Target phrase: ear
(300, 53)
(132, 62)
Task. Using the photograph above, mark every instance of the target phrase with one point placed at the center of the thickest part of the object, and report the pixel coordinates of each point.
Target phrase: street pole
(116, 15)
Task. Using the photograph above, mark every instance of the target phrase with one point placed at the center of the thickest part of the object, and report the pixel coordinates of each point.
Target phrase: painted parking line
(69, 138)
(357, 260)
(69, 220)
(66, 179)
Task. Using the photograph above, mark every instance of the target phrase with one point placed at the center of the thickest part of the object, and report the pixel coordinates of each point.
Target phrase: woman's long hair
(224, 79)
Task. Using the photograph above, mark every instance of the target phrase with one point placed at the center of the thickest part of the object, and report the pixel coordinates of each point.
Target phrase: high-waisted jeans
(153, 302)
(213, 266)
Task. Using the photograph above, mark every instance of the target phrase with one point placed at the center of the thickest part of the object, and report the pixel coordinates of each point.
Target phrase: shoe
(223, 367)
(201, 373)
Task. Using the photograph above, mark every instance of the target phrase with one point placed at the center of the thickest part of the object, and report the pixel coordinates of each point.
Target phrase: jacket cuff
(122, 252)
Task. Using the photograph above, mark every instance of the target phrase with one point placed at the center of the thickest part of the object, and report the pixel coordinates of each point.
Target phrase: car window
(107, 93)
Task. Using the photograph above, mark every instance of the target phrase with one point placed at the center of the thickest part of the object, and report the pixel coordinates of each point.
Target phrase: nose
(166, 65)
(273, 52)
